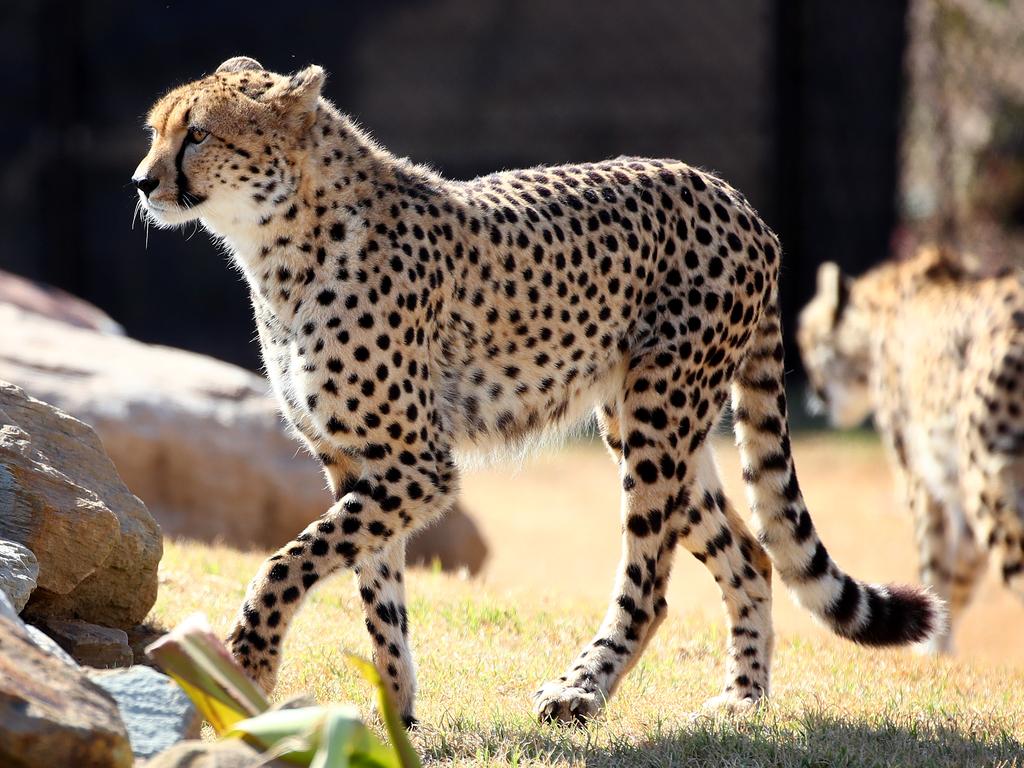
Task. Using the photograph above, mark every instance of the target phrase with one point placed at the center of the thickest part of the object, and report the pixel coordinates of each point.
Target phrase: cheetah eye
(197, 135)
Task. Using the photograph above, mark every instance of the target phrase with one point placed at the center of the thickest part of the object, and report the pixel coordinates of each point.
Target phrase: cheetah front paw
(257, 668)
(559, 702)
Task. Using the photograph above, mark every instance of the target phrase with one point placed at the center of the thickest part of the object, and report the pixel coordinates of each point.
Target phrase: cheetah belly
(510, 420)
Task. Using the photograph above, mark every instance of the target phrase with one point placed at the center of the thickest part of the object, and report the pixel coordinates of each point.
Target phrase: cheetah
(406, 319)
(937, 354)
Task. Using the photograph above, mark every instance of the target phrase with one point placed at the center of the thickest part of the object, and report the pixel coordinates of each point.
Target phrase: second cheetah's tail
(865, 613)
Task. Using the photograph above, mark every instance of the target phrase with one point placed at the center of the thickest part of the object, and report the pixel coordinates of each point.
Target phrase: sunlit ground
(483, 645)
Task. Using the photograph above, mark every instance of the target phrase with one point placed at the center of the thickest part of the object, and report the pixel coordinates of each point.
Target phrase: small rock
(90, 644)
(231, 753)
(52, 715)
(156, 712)
(19, 570)
(139, 638)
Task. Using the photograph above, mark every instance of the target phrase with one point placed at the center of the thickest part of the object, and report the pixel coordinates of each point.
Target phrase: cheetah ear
(301, 92)
(834, 288)
(239, 64)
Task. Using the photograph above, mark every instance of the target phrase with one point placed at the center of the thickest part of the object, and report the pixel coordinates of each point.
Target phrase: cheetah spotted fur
(404, 317)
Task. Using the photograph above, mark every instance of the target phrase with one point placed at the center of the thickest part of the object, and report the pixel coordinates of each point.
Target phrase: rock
(231, 753)
(19, 570)
(456, 542)
(200, 440)
(156, 712)
(139, 637)
(51, 714)
(7, 609)
(89, 644)
(55, 304)
(44, 642)
(60, 496)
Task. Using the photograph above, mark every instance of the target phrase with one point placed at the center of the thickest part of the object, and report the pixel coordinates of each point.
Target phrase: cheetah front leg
(365, 529)
(382, 589)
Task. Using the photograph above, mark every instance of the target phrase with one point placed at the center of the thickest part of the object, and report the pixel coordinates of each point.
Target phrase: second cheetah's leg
(936, 545)
(992, 499)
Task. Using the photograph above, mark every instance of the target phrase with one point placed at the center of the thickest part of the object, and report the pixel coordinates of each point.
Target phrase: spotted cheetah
(405, 318)
(938, 355)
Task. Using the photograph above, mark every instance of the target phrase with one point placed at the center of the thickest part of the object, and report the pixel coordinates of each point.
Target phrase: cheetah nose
(146, 184)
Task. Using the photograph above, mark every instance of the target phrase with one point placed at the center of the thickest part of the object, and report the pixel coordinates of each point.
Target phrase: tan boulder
(230, 753)
(54, 303)
(198, 439)
(60, 496)
(51, 714)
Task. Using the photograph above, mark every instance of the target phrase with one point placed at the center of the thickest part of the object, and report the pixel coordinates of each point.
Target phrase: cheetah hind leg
(655, 472)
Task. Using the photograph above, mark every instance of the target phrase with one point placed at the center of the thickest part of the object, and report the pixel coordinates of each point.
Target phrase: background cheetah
(404, 316)
(938, 356)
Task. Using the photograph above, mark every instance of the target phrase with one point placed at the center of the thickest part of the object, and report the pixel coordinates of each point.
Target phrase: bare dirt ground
(552, 524)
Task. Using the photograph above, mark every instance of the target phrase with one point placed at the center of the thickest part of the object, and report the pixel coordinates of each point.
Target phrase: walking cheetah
(404, 317)
(938, 355)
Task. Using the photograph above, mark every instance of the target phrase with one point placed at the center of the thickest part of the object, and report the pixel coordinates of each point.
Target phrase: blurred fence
(962, 175)
(795, 102)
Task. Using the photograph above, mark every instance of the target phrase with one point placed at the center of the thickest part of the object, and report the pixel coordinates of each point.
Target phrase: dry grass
(484, 645)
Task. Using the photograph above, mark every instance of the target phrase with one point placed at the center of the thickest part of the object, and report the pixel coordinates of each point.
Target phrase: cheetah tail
(865, 613)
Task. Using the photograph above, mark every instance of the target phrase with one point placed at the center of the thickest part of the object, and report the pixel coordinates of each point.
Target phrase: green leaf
(202, 666)
(292, 734)
(320, 737)
(392, 721)
(345, 742)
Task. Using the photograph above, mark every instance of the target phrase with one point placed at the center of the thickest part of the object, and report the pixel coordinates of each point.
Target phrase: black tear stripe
(186, 198)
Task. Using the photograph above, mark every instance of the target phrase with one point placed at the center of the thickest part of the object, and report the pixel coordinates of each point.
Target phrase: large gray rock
(19, 570)
(60, 496)
(200, 440)
(155, 710)
(51, 714)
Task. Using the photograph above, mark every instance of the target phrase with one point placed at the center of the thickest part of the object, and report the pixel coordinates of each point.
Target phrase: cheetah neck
(316, 227)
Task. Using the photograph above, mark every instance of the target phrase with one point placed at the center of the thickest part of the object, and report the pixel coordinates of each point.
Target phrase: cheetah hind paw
(734, 705)
(558, 702)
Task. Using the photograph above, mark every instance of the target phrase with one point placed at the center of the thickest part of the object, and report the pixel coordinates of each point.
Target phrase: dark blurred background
(841, 122)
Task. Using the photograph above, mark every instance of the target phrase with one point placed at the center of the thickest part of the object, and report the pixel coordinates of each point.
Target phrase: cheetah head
(224, 147)
(834, 348)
